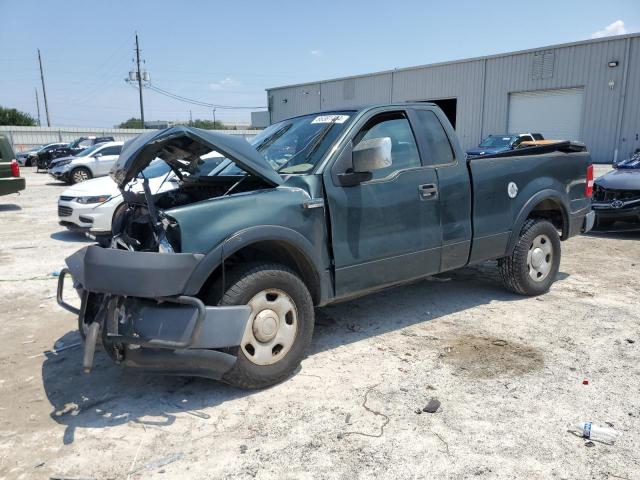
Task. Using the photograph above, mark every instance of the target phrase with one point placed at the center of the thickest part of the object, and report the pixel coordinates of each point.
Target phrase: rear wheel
(280, 326)
(532, 267)
(80, 174)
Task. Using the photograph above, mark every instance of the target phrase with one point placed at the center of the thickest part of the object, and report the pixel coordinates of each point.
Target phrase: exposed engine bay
(199, 172)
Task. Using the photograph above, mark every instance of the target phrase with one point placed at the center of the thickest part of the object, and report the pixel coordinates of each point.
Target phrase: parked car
(10, 179)
(616, 195)
(503, 143)
(69, 150)
(90, 206)
(219, 276)
(95, 161)
(29, 157)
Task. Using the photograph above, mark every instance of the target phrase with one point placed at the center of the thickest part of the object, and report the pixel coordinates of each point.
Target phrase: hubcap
(81, 176)
(272, 327)
(540, 258)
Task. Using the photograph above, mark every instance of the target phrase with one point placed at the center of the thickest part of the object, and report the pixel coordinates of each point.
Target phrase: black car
(70, 150)
(616, 195)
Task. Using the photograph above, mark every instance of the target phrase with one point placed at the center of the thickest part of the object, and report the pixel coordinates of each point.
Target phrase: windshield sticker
(331, 119)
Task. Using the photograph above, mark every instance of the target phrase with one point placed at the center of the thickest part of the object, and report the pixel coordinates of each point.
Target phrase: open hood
(177, 145)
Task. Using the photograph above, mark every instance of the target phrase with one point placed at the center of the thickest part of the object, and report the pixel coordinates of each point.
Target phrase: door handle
(428, 190)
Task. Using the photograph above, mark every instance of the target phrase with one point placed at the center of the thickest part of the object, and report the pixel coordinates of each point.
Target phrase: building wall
(610, 119)
(24, 138)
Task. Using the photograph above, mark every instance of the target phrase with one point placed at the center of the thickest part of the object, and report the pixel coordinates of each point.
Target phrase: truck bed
(559, 169)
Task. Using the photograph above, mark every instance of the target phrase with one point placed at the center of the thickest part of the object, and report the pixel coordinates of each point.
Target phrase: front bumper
(135, 300)
(94, 218)
(59, 173)
(621, 211)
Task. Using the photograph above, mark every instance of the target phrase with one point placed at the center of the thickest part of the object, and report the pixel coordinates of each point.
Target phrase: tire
(533, 265)
(80, 174)
(262, 361)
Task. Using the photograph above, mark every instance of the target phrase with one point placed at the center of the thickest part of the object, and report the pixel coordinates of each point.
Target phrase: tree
(131, 123)
(208, 125)
(11, 116)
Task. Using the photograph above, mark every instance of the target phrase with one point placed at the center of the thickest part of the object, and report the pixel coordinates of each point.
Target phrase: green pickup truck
(219, 276)
(10, 179)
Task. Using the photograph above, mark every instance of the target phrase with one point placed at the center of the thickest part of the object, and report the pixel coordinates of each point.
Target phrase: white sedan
(90, 206)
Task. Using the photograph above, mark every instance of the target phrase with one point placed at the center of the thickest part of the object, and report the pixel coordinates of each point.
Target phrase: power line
(197, 102)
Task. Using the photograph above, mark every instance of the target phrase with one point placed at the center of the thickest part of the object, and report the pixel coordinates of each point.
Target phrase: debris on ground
(161, 462)
(432, 406)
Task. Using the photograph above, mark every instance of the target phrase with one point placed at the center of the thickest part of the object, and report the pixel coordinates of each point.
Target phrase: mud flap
(90, 346)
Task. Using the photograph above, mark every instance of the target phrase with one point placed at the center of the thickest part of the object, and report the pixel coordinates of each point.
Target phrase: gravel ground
(507, 370)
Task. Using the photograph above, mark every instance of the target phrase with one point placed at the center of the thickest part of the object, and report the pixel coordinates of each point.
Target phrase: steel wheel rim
(80, 176)
(540, 258)
(272, 327)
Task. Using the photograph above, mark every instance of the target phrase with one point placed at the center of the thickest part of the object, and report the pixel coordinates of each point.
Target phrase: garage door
(557, 114)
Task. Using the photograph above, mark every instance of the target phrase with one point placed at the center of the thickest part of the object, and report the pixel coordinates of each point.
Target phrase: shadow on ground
(623, 232)
(9, 207)
(112, 395)
(70, 236)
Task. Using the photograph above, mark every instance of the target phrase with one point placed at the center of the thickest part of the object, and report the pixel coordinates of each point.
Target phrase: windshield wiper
(274, 136)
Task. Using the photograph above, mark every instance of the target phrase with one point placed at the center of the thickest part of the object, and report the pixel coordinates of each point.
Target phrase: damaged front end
(133, 286)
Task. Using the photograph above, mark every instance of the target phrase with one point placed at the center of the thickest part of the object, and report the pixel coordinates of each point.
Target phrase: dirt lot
(508, 370)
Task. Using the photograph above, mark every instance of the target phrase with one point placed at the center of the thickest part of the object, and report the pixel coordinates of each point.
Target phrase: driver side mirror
(367, 156)
(97, 155)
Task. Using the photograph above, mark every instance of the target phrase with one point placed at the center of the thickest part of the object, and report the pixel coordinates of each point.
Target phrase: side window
(85, 143)
(111, 150)
(404, 151)
(440, 151)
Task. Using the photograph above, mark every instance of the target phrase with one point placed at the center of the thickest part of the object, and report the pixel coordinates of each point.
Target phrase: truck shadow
(112, 395)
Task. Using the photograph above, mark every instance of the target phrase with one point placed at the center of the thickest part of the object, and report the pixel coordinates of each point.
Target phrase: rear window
(440, 151)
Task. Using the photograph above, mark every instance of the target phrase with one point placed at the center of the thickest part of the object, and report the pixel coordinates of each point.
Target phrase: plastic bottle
(595, 432)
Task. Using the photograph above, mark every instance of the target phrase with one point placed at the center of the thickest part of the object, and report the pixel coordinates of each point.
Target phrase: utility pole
(214, 117)
(38, 106)
(139, 80)
(190, 118)
(44, 91)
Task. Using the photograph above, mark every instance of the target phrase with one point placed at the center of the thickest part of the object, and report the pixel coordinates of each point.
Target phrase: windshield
(89, 151)
(494, 141)
(296, 145)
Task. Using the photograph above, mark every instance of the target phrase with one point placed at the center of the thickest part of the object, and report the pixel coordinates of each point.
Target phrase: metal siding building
(597, 103)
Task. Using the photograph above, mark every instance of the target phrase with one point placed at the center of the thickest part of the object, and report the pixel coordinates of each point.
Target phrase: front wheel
(280, 326)
(534, 263)
(80, 174)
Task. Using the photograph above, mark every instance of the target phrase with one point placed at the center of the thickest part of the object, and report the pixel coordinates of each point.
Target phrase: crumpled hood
(188, 144)
(620, 180)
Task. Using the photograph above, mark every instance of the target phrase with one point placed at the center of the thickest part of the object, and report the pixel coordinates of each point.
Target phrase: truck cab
(219, 277)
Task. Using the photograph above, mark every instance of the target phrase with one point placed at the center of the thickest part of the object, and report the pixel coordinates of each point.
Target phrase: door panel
(386, 230)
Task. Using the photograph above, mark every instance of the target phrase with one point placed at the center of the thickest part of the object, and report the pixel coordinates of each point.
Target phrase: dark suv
(70, 150)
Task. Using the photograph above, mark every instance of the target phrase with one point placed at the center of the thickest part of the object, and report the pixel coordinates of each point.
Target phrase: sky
(228, 53)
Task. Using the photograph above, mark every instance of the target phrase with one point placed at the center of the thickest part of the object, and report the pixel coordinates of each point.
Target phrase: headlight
(96, 199)
(60, 163)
